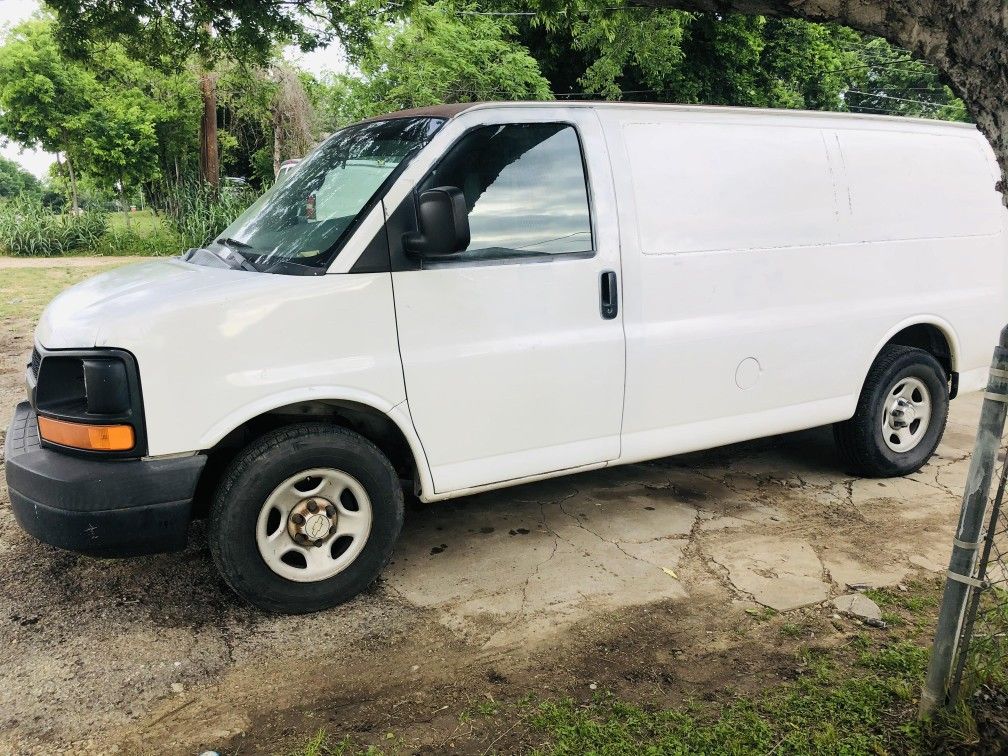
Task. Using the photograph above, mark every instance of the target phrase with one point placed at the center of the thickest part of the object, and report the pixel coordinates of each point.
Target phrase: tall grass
(150, 242)
(192, 214)
(29, 229)
(197, 212)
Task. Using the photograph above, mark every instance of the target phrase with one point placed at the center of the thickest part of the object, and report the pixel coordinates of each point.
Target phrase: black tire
(254, 474)
(860, 440)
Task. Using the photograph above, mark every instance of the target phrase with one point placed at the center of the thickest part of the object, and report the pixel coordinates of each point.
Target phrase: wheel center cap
(312, 521)
(902, 414)
(316, 526)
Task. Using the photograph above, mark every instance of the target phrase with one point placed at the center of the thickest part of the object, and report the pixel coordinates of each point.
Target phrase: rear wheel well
(373, 424)
(931, 339)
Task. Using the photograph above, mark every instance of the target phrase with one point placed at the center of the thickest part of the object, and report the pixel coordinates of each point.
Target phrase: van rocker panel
(93, 506)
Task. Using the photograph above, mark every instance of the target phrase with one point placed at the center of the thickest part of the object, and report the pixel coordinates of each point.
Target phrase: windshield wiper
(227, 241)
(233, 254)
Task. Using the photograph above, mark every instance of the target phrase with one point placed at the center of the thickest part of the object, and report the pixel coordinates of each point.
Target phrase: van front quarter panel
(213, 356)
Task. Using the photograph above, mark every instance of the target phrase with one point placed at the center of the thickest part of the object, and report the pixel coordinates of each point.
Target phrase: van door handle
(608, 295)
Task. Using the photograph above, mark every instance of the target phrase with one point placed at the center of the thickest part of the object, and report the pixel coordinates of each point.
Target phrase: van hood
(89, 314)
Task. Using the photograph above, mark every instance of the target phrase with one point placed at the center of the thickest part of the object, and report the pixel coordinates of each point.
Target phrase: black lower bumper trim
(149, 529)
(99, 507)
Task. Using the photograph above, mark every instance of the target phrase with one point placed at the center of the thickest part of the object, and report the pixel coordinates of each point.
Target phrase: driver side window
(525, 191)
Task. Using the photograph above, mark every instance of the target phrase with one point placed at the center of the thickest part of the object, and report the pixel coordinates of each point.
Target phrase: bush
(28, 229)
(198, 213)
(151, 242)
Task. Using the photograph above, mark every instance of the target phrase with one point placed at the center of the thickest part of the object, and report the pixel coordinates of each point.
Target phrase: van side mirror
(444, 224)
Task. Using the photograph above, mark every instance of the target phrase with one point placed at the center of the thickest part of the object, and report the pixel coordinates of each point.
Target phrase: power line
(897, 99)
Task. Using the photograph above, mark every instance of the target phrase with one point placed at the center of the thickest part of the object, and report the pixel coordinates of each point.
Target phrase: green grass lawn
(26, 291)
(143, 222)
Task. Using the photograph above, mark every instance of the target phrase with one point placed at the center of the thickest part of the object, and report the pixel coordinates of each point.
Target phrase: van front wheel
(900, 415)
(305, 518)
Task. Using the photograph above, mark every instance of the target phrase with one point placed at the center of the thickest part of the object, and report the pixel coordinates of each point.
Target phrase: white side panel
(725, 344)
(905, 185)
(709, 186)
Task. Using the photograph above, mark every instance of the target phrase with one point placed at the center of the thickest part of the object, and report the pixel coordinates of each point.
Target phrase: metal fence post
(968, 535)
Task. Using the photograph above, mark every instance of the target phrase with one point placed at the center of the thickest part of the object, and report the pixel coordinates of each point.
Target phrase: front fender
(398, 413)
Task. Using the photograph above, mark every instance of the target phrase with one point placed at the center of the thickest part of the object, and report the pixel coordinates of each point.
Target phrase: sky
(38, 162)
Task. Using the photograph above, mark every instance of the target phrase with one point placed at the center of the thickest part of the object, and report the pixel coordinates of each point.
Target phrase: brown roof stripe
(432, 111)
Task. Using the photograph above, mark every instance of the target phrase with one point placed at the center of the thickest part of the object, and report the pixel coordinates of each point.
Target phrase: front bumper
(96, 506)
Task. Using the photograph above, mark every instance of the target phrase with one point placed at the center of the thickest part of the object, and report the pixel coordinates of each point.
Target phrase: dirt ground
(648, 580)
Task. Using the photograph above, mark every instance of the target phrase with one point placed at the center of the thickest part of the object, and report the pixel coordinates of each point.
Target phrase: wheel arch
(388, 426)
(930, 333)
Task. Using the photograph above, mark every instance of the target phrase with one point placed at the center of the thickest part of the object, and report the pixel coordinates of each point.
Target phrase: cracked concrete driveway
(154, 655)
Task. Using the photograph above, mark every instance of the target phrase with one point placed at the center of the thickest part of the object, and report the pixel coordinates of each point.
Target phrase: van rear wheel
(305, 518)
(900, 416)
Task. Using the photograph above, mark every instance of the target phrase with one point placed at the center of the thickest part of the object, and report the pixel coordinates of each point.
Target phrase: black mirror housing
(444, 223)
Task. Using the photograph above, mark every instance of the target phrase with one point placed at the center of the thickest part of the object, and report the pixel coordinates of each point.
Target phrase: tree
(267, 116)
(643, 53)
(438, 56)
(166, 33)
(120, 145)
(44, 99)
(291, 114)
(16, 181)
(97, 114)
(890, 81)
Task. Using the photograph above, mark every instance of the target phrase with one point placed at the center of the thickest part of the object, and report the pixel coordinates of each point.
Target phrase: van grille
(36, 363)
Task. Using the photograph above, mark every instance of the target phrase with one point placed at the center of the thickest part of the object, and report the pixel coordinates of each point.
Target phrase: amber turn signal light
(84, 436)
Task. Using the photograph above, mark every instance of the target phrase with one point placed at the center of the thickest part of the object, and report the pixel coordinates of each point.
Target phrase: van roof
(454, 109)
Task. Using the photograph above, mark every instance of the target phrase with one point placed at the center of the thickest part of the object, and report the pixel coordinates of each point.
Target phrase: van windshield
(302, 222)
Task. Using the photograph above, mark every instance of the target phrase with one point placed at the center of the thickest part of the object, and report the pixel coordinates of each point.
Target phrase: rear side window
(525, 190)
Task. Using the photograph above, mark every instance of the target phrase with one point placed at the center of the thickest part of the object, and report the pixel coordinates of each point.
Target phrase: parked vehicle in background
(474, 296)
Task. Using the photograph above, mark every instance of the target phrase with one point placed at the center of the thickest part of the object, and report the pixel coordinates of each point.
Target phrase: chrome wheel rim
(906, 414)
(314, 525)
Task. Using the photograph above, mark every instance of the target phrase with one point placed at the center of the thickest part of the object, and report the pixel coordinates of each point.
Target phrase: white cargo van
(476, 296)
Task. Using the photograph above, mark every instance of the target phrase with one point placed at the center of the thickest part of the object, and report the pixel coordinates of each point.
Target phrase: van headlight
(88, 401)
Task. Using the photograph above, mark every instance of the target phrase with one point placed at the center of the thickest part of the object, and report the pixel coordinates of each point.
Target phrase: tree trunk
(209, 156)
(122, 203)
(74, 200)
(967, 40)
(278, 135)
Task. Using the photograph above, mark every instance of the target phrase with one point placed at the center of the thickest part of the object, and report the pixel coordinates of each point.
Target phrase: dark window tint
(525, 190)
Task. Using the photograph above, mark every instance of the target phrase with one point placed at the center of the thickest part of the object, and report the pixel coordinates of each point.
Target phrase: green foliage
(247, 30)
(102, 114)
(112, 85)
(120, 142)
(617, 51)
(890, 81)
(264, 109)
(15, 180)
(27, 228)
(440, 55)
(196, 213)
(987, 662)
(42, 98)
(826, 711)
(322, 744)
(147, 242)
